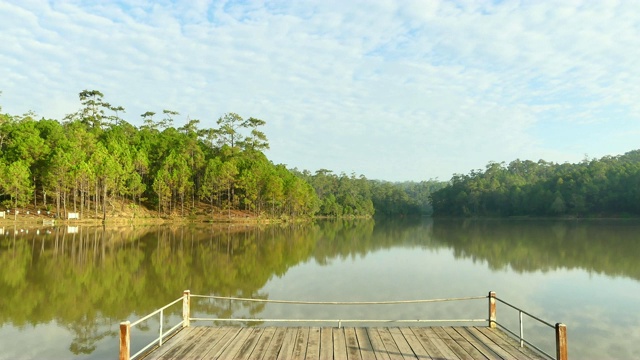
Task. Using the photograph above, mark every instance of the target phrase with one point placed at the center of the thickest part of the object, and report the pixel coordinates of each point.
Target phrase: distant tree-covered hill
(609, 186)
(343, 195)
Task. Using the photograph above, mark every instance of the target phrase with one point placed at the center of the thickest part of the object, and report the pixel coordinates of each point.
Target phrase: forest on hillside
(92, 157)
(609, 186)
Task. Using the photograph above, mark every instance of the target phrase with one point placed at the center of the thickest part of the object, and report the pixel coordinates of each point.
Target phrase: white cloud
(391, 90)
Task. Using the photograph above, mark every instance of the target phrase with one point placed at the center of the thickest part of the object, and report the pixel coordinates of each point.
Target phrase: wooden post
(186, 308)
(125, 340)
(562, 352)
(492, 309)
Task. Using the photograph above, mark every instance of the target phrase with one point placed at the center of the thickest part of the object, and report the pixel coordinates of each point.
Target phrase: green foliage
(94, 157)
(605, 187)
(340, 195)
(351, 196)
(404, 199)
(18, 182)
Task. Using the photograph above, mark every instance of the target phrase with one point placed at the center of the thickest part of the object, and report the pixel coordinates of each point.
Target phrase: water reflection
(87, 279)
(598, 246)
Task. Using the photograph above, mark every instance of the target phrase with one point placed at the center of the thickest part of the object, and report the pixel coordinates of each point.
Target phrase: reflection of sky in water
(41, 338)
(601, 312)
(44, 341)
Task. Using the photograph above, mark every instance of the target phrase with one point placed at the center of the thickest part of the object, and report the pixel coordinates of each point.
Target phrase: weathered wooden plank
(178, 344)
(515, 343)
(339, 344)
(262, 343)
(377, 344)
(452, 344)
(351, 343)
(214, 349)
(401, 342)
(172, 345)
(269, 344)
(490, 343)
(302, 342)
(326, 344)
(469, 348)
(415, 343)
(205, 338)
(465, 337)
(364, 344)
(201, 340)
(313, 346)
(443, 348)
(250, 343)
(427, 344)
(390, 344)
(428, 332)
(289, 343)
(234, 347)
(507, 343)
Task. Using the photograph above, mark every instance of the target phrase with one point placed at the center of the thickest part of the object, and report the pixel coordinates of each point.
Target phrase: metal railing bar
(179, 325)
(156, 341)
(339, 302)
(144, 349)
(160, 323)
(521, 328)
(340, 320)
(524, 312)
(155, 312)
(525, 341)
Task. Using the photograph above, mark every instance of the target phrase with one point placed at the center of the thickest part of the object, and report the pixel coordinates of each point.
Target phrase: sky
(396, 90)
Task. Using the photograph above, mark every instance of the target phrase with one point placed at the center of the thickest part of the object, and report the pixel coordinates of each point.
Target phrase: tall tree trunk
(193, 196)
(96, 199)
(75, 192)
(64, 201)
(81, 199)
(58, 201)
(15, 209)
(104, 201)
(229, 200)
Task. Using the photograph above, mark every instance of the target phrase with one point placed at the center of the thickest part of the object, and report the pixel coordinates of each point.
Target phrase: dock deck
(232, 342)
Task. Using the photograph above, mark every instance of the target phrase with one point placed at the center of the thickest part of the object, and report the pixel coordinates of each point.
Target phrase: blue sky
(393, 90)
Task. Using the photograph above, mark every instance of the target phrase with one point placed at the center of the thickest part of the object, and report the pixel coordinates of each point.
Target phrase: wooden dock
(307, 343)
(184, 341)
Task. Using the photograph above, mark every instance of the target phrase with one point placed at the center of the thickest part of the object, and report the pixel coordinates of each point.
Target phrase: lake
(65, 290)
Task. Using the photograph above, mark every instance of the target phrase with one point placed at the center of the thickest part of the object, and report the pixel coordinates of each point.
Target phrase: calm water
(64, 293)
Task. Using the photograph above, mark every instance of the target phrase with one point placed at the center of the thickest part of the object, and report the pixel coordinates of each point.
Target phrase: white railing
(560, 329)
(125, 327)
